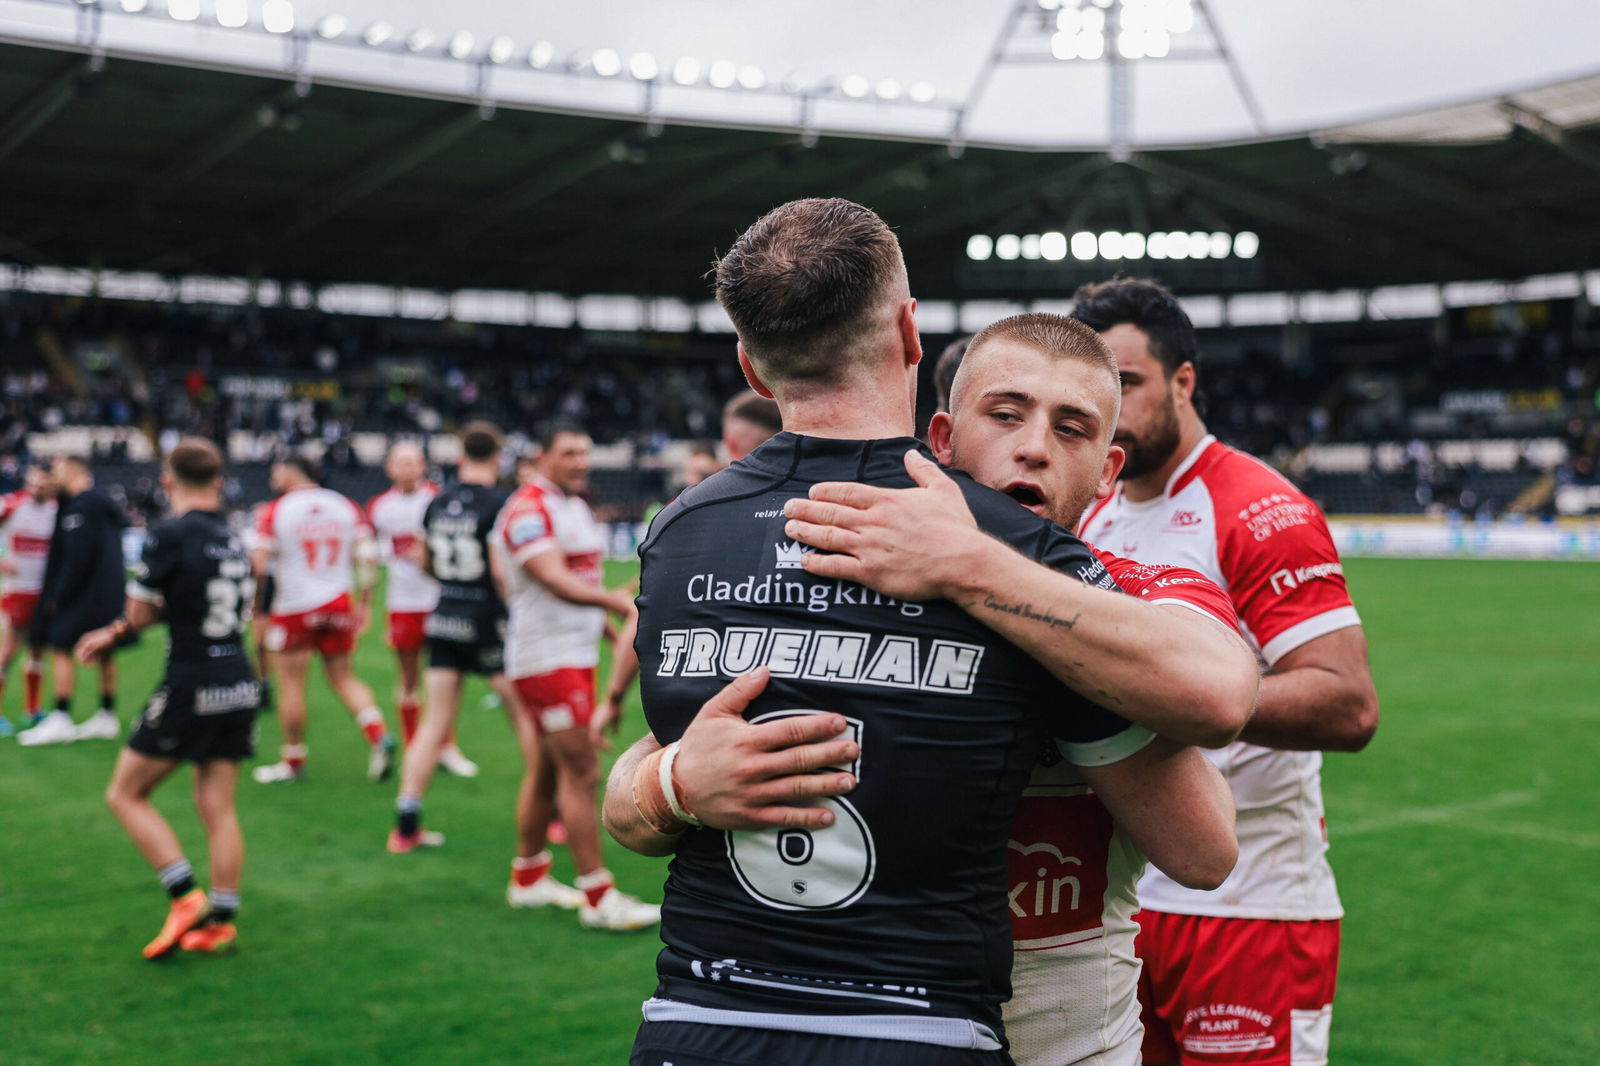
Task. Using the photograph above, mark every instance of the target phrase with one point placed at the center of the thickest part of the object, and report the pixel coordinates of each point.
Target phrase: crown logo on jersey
(790, 553)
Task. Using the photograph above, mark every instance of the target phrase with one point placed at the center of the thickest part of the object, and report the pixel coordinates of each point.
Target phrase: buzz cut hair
(481, 441)
(802, 283)
(195, 462)
(1054, 335)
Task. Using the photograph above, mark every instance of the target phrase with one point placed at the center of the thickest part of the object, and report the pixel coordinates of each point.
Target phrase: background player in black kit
(466, 631)
(883, 936)
(195, 573)
(82, 590)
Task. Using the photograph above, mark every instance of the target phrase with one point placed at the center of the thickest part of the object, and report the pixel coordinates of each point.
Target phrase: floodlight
(1155, 246)
(328, 28)
(1246, 245)
(133, 7)
(723, 74)
(979, 247)
(1007, 246)
(922, 92)
(888, 89)
(378, 33)
(854, 86)
(1157, 43)
(540, 55)
(1180, 17)
(1091, 45)
(1199, 245)
(1069, 20)
(607, 63)
(1177, 245)
(500, 48)
(419, 39)
(751, 78)
(1110, 245)
(1130, 44)
(1030, 246)
(232, 14)
(686, 71)
(184, 10)
(1064, 45)
(643, 66)
(1084, 245)
(1049, 5)
(1102, 3)
(1220, 243)
(1133, 245)
(277, 16)
(1092, 20)
(1053, 246)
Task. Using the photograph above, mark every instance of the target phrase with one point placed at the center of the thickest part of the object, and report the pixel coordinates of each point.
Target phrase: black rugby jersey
(900, 906)
(199, 570)
(457, 525)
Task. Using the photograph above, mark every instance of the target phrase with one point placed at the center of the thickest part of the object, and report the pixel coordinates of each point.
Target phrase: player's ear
(750, 375)
(1183, 383)
(939, 436)
(1109, 470)
(910, 339)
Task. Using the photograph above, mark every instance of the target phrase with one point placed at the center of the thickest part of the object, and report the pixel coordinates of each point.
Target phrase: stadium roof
(133, 155)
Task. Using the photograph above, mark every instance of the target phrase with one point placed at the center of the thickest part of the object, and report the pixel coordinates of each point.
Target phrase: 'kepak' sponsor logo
(1284, 580)
(836, 656)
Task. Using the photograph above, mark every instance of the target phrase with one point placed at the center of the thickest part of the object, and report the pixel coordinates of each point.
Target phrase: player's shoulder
(11, 502)
(1233, 477)
(378, 501)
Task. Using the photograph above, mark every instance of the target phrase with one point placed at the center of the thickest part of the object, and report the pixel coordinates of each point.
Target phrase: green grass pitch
(1465, 840)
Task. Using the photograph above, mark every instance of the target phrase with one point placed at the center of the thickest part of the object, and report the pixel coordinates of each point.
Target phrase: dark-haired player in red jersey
(28, 517)
(410, 594)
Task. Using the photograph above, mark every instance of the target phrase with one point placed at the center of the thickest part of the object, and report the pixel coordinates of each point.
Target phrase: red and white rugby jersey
(312, 533)
(396, 518)
(545, 632)
(1073, 875)
(29, 525)
(1243, 525)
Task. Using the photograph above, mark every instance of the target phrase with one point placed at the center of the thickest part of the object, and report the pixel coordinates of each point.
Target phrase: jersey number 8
(808, 869)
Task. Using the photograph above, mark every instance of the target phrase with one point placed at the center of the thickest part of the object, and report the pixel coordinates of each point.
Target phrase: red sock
(595, 893)
(295, 756)
(410, 711)
(371, 723)
(32, 688)
(525, 872)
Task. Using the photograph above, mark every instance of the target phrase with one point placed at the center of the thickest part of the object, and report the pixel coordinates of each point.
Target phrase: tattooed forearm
(1026, 610)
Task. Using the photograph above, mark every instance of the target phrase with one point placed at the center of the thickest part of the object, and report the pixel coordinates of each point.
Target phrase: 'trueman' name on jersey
(836, 656)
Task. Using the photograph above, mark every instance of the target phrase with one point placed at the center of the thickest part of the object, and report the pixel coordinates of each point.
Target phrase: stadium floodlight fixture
(855, 86)
(419, 39)
(183, 10)
(1084, 245)
(922, 92)
(1177, 245)
(232, 14)
(460, 44)
(1157, 44)
(980, 246)
(1103, 3)
(1064, 45)
(1130, 44)
(1246, 244)
(1030, 246)
(1180, 16)
(686, 71)
(643, 66)
(607, 62)
(540, 55)
(1053, 246)
(1007, 246)
(133, 7)
(1090, 45)
(723, 73)
(1199, 245)
(1109, 245)
(888, 89)
(1049, 5)
(277, 16)
(751, 77)
(377, 33)
(500, 48)
(1155, 245)
(1069, 20)
(331, 26)
(1221, 243)
(1133, 245)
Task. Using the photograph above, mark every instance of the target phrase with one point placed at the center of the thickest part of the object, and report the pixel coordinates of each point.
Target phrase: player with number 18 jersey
(466, 630)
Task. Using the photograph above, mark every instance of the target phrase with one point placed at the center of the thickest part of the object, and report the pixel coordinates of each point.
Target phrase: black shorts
(196, 718)
(63, 631)
(469, 643)
(689, 1044)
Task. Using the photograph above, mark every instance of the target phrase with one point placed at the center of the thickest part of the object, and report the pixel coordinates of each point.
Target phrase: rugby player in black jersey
(466, 631)
(195, 574)
(884, 934)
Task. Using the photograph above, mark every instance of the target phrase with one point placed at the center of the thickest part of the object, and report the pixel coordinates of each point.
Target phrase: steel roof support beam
(52, 96)
(195, 159)
(1553, 135)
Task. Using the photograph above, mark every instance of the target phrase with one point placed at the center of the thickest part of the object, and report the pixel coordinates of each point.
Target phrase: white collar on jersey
(1189, 460)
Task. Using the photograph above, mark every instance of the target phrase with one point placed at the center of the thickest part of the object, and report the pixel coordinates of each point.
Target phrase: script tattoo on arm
(1026, 610)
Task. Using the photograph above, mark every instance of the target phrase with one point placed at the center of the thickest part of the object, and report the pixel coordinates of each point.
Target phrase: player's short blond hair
(1054, 335)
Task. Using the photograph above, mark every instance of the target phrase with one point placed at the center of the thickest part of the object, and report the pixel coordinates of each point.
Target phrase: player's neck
(471, 473)
(866, 410)
(186, 500)
(1154, 484)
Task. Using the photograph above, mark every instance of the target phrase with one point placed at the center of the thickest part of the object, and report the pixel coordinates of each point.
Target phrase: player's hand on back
(734, 775)
(92, 644)
(912, 544)
(607, 718)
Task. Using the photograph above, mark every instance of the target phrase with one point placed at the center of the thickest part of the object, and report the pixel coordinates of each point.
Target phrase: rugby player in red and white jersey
(558, 608)
(315, 541)
(28, 517)
(1245, 974)
(1035, 406)
(395, 515)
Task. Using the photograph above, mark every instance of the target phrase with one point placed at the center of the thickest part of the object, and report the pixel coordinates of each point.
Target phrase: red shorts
(561, 699)
(19, 608)
(1236, 990)
(330, 629)
(405, 630)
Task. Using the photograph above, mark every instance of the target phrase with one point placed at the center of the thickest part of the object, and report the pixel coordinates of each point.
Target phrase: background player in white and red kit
(1245, 974)
(28, 518)
(410, 594)
(558, 611)
(316, 540)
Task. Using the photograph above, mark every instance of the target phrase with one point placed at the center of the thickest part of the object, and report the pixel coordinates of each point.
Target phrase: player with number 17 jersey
(466, 631)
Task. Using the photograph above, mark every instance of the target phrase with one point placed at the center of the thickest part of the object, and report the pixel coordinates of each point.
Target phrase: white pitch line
(1446, 813)
(1538, 832)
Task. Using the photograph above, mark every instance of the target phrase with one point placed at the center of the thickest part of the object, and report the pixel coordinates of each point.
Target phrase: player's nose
(1031, 447)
